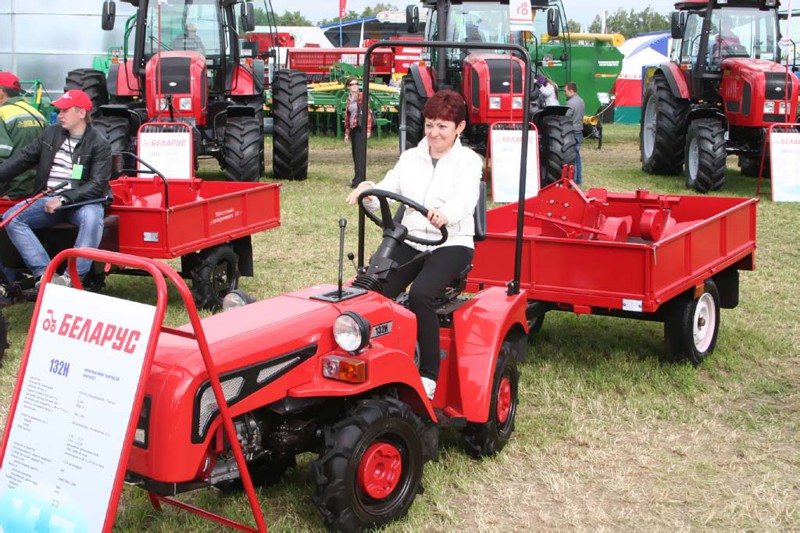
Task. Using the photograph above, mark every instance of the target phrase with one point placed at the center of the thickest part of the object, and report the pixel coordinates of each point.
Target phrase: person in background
(548, 91)
(352, 129)
(189, 40)
(575, 103)
(70, 152)
(20, 125)
(443, 176)
(725, 42)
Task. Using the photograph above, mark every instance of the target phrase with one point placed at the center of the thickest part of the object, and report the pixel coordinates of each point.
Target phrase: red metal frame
(159, 271)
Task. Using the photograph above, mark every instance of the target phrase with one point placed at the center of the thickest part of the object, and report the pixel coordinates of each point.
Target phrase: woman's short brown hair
(446, 105)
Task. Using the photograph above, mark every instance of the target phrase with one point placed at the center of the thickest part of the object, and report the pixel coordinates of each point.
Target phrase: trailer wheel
(242, 149)
(370, 469)
(216, 273)
(663, 129)
(290, 125)
(3, 337)
(558, 147)
(90, 81)
(705, 155)
(488, 438)
(691, 326)
(411, 104)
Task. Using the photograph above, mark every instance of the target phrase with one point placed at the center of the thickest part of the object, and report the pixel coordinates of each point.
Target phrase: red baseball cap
(74, 98)
(9, 80)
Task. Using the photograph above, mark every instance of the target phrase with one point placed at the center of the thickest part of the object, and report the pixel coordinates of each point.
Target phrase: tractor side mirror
(553, 23)
(412, 18)
(248, 17)
(109, 15)
(678, 24)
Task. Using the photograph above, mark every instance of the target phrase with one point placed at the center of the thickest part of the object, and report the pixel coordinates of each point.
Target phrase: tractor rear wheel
(558, 147)
(705, 155)
(116, 130)
(691, 325)
(90, 81)
(411, 104)
(243, 149)
(370, 469)
(216, 273)
(488, 438)
(290, 119)
(663, 129)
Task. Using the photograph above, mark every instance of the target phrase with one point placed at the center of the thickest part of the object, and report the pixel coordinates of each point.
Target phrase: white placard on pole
(168, 152)
(520, 16)
(505, 154)
(784, 153)
(74, 410)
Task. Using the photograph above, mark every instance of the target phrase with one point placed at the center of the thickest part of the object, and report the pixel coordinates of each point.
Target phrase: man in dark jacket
(71, 152)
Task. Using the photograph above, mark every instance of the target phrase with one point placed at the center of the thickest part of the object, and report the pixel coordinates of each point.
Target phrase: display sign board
(520, 15)
(62, 457)
(784, 153)
(506, 150)
(169, 152)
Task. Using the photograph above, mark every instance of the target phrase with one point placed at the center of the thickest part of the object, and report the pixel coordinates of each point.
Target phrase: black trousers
(359, 149)
(430, 276)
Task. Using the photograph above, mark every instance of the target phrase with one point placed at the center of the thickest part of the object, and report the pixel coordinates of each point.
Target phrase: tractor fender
(385, 366)
(422, 79)
(706, 112)
(675, 79)
(244, 83)
(480, 327)
(552, 110)
(121, 80)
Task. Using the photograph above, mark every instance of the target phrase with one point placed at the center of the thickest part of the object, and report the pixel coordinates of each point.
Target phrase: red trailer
(674, 259)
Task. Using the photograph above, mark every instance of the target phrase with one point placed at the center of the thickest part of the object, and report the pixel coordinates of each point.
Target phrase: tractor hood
(757, 93)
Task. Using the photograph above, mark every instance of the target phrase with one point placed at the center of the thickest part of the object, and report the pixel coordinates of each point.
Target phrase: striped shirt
(62, 164)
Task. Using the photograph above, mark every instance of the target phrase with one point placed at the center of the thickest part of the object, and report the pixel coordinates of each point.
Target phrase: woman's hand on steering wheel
(437, 218)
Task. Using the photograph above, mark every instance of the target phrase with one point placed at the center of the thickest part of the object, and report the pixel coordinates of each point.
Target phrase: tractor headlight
(782, 108)
(516, 102)
(236, 298)
(494, 102)
(769, 107)
(185, 103)
(161, 104)
(351, 331)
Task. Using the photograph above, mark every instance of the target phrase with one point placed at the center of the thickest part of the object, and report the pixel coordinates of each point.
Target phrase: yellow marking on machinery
(616, 39)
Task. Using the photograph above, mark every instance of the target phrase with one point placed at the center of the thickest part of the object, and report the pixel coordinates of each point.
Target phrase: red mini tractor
(492, 82)
(203, 81)
(719, 93)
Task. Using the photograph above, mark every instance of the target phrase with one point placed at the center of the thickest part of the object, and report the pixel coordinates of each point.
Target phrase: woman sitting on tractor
(443, 176)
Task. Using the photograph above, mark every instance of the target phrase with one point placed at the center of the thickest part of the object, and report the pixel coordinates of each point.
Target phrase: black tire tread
(558, 147)
(243, 149)
(671, 112)
(411, 103)
(205, 296)
(709, 134)
(290, 122)
(92, 82)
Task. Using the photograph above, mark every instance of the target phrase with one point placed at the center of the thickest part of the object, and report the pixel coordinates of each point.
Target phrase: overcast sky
(582, 11)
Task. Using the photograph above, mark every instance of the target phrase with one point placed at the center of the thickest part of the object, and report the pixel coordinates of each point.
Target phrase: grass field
(607, 437)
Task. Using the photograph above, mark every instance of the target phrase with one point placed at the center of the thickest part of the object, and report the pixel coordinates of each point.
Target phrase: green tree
(288, 18)
(573, 26)
(631, 23)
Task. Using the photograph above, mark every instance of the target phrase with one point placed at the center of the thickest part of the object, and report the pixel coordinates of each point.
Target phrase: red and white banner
(342, 8)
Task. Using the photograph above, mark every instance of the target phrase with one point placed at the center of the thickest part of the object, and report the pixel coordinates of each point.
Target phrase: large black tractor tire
(243, 149)
(663, 129)
(116, 130)
(411, 104)
(705, 155)
(558, 147)
(216, 273)
(691, 325)
(370, 469)
(90, 81)
(290, 122)
(488, 438)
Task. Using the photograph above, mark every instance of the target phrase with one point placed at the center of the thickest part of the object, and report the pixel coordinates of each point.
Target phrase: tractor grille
(500, 73)
(778, 85)
(175, 75)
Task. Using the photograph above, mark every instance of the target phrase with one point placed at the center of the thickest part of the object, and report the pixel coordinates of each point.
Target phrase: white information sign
(505, 154)
(168, 152)
(520, 15)
(74, 407)
(784, 153)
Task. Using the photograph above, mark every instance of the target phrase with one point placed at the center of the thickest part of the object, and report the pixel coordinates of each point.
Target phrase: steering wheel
(387, 221)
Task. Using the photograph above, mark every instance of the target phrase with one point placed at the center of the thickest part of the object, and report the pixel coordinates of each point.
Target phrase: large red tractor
(187, 66)
(492, 82)
(719, 93)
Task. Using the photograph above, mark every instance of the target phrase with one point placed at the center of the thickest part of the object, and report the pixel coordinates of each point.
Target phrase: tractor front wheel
(705, 155)
(216, 273)
(691, 325)
(558, 147)
(90, 81)
(411, 104)
(370, 470)
(488, 438)
(243, 149)
(290, 126)
(663, 128)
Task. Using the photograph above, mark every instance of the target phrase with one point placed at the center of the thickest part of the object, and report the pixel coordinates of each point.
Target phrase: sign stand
(784, 149)
(503, 149)
(59, 503)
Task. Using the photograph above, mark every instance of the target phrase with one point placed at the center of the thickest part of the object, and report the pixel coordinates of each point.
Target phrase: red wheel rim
(380, 470)
(504, 400)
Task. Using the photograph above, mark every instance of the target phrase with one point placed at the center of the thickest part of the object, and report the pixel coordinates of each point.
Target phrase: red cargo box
(319, 60)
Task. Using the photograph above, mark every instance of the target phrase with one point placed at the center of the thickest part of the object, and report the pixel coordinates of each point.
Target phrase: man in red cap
(71, 153)
(20, 125)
